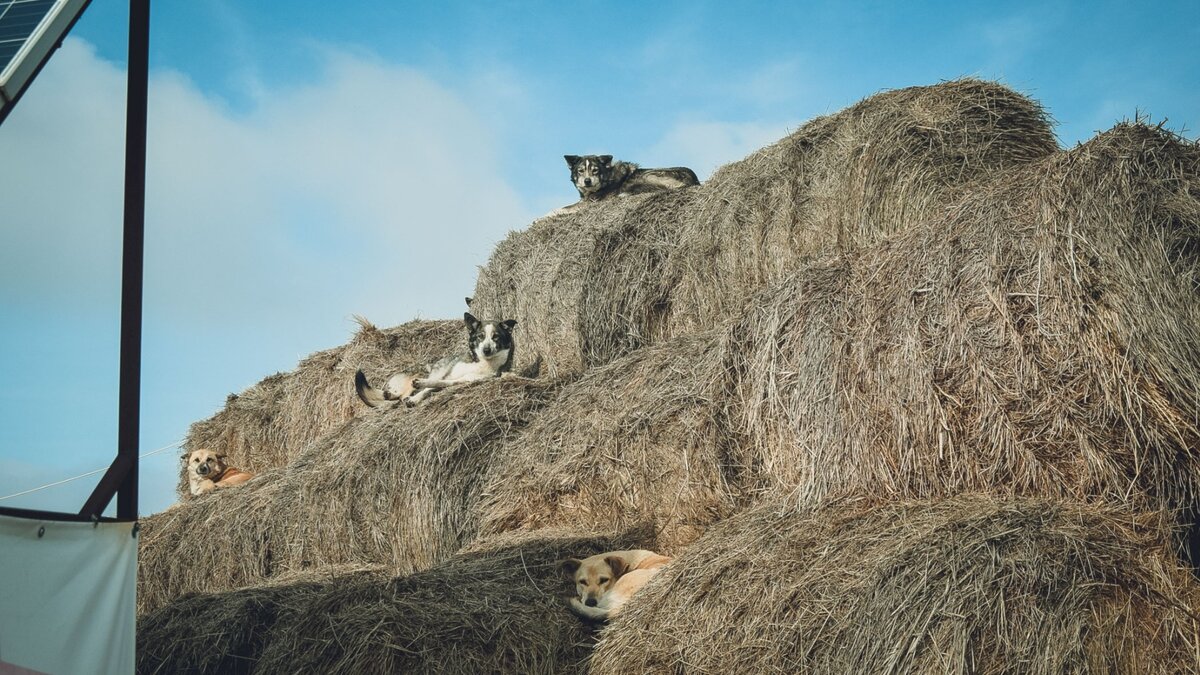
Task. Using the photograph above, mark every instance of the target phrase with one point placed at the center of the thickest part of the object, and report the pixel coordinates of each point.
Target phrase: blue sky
(313, 160)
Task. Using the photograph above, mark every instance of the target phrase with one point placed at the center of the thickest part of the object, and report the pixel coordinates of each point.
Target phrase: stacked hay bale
(395, 487)
(603, 281)
(270, 423)
(968, 584)
(1039, 340)
(874, 306)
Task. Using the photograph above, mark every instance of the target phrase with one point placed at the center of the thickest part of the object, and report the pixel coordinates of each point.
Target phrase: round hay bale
(396, 487)
(1039, 340)
(969, 584)
(598, 282)
(273, 421)
(498, 608)
(840, 182)
(632, 442)
(536, 275)
(226, 632)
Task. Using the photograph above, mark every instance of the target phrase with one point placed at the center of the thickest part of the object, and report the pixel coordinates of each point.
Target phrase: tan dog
(208, 471)
(606, 581)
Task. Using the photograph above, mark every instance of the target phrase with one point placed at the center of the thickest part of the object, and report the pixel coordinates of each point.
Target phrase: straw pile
(1040, 340)
(393, 487)
(498, 608)
(965, 585)
(597, 283)
(914, 299)
(270, 423)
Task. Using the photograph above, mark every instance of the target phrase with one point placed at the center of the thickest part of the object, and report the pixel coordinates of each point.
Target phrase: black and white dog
(490, 353)
(598, 176)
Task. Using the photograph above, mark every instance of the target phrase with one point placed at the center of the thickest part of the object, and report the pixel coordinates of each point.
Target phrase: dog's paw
(418, 384)
(408, 402)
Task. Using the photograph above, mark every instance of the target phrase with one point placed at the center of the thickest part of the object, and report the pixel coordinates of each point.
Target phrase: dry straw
(636, 441)
(964, 585)
(1039, 340)
(497, 608)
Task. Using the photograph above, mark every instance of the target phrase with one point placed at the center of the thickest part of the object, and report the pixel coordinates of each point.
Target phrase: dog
(598, 176)
(490, 353)
(606, 581)
(208, 471)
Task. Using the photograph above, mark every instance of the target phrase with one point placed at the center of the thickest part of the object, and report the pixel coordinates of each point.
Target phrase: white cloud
(704, 146)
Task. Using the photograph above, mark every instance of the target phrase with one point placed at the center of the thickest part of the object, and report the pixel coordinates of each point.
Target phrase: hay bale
(395, 487)
(610, 278)
(636, 441)
(270, 423)
(536, 276)
(969, 584)
(226, 632)
(1040, 340)
(498, 608)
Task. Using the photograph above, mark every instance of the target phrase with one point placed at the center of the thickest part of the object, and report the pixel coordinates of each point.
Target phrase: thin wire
(176, 444)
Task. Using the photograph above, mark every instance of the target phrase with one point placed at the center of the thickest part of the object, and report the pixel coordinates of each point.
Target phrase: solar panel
(30, 30)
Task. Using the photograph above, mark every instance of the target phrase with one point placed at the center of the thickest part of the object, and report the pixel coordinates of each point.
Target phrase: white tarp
(67, 596)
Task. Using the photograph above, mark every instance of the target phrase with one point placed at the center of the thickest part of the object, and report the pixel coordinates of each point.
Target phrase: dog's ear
(470, 320)
(571, 565)
(572, 160)
(617, 565)
(468, 301)
(185, 456)
(508, 325)
(606, 159)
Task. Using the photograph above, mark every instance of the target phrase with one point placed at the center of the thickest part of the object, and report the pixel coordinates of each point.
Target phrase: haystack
(1040, 340)
(636, 441)
(498, 608)
(607, 279)
(394, 487)
(965, 585)
(270, 423)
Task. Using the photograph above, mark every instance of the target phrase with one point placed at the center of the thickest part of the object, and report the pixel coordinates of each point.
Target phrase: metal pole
(122, 476)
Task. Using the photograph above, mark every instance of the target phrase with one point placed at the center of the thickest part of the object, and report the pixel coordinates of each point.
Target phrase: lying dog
(208, 471)
(606, 581)
(598, 176)
(490, 353)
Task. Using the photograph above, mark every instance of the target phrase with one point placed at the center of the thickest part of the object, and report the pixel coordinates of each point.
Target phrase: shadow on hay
(499, 607)
(394, 487)
(968, 584)
(272, 422)
(602, 281)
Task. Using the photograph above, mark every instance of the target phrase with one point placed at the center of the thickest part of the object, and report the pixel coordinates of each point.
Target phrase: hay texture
(599, 282)
(966, 585)
(498, 608)
(635, 442)
(396, 487)
(270, 423)
(1040, 340)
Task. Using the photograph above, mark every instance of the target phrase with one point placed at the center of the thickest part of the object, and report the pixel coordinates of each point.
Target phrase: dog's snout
(587, 182)
(487, 350)
(203, 469)
(590, 602)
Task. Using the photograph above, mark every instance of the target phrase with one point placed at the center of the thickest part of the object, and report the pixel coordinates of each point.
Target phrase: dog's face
(594, 576)
(205, 463)
(488, 339)
(589, 173)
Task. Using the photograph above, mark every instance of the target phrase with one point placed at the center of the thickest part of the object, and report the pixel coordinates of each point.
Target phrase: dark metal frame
(121, 479)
